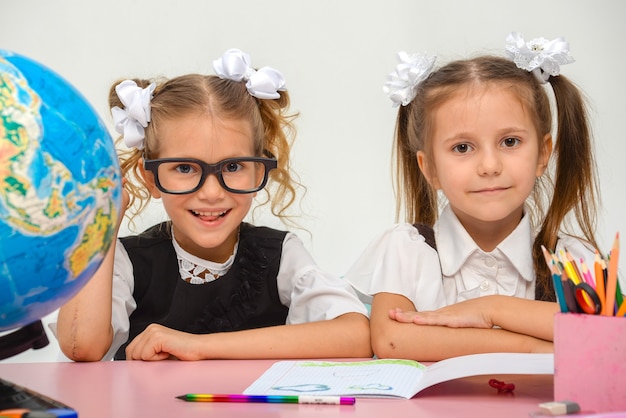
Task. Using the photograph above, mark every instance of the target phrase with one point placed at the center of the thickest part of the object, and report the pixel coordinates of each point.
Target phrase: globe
(60, 191)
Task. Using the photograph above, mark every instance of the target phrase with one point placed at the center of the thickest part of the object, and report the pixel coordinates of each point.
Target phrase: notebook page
(375, 378)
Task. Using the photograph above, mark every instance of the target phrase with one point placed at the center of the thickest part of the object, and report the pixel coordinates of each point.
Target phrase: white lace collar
(196, 270)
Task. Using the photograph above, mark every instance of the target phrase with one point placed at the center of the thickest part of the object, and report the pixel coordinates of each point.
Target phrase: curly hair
(272, 127)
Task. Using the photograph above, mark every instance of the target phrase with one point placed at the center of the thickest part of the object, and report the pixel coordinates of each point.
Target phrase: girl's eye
(232, 167)
(510, 142)
(462, 148)
(185, 168)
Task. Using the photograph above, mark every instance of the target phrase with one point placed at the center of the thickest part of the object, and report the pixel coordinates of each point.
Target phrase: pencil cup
(590, 361)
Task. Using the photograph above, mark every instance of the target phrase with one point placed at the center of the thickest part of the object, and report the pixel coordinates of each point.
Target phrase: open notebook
(388, 378)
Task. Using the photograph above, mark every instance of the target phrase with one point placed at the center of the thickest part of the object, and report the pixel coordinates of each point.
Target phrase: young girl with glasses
(206, 284)
(466, 273)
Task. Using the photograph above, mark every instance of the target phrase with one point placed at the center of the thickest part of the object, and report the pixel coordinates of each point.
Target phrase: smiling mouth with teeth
(214, 215)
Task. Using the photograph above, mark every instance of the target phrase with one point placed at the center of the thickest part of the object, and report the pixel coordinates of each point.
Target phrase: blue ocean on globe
(60, 190)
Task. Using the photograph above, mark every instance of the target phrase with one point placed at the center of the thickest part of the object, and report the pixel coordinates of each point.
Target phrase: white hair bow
(401, 84)
(264, 83)
(540, 56)
(131, 121)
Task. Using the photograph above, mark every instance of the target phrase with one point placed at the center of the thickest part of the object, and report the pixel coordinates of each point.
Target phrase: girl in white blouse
(474, 138)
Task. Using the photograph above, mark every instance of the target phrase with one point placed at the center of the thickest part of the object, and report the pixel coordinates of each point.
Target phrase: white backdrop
(335, 56)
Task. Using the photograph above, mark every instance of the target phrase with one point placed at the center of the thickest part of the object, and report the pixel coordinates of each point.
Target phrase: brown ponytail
(575, 184)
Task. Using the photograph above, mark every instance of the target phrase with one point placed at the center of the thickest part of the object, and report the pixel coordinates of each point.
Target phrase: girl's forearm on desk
(345, 336)
(524, 316)
(84, 323)
(434, 343)
(519, 315)
(394, 339)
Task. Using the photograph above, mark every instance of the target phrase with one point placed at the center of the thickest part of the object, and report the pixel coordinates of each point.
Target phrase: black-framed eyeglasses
(187, 175)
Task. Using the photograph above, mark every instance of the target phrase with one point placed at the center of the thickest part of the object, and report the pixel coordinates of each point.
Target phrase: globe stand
(29, 336)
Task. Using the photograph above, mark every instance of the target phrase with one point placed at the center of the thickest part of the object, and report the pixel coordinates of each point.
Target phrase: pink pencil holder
(590, 361)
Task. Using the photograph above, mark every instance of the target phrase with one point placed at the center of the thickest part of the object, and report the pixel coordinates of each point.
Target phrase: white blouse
(401, 262)
(310, 293)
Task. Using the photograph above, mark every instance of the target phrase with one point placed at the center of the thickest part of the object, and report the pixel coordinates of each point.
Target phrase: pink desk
(148, 389)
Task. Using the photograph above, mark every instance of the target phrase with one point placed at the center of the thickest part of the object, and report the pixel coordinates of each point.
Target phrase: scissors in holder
(587, 298)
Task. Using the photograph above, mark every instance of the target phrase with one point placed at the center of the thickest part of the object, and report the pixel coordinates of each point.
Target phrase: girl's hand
(467, 314)
(399, 315)
(157, 342)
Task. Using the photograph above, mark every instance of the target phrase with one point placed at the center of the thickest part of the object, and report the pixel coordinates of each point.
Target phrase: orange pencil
(597, 266)
(622, 309)
(611, 284)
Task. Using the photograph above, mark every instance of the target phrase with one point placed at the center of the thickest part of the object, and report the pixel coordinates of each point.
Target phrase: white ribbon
(401, 84)
(540, 56)
(264, 83)
(134, 117)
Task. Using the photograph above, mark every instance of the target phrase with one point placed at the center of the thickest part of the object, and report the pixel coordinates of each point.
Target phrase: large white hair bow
(401, 84)
(264, 83)
(131, 121)
(541, 56)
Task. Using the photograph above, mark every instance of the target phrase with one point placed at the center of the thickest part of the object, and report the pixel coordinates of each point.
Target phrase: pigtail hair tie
(132, 120)
(401, 85)
(540, 56)
(264, 83)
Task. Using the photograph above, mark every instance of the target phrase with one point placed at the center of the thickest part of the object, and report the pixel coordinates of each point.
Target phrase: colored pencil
(569, 268)
(597, 266)
(572, 262)
(547, 255)
(587, 276)
(310, 399)
(611, 284)
(557, 280)
(619, 297)
(558, 289)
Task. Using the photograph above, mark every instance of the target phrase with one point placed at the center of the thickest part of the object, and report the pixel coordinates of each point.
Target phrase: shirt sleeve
(123, 303)
(310, 293)
(400, 262)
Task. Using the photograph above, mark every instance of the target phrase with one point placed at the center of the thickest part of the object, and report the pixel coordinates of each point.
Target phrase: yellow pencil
(572, 261)
(569, 268)
(611, 283)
